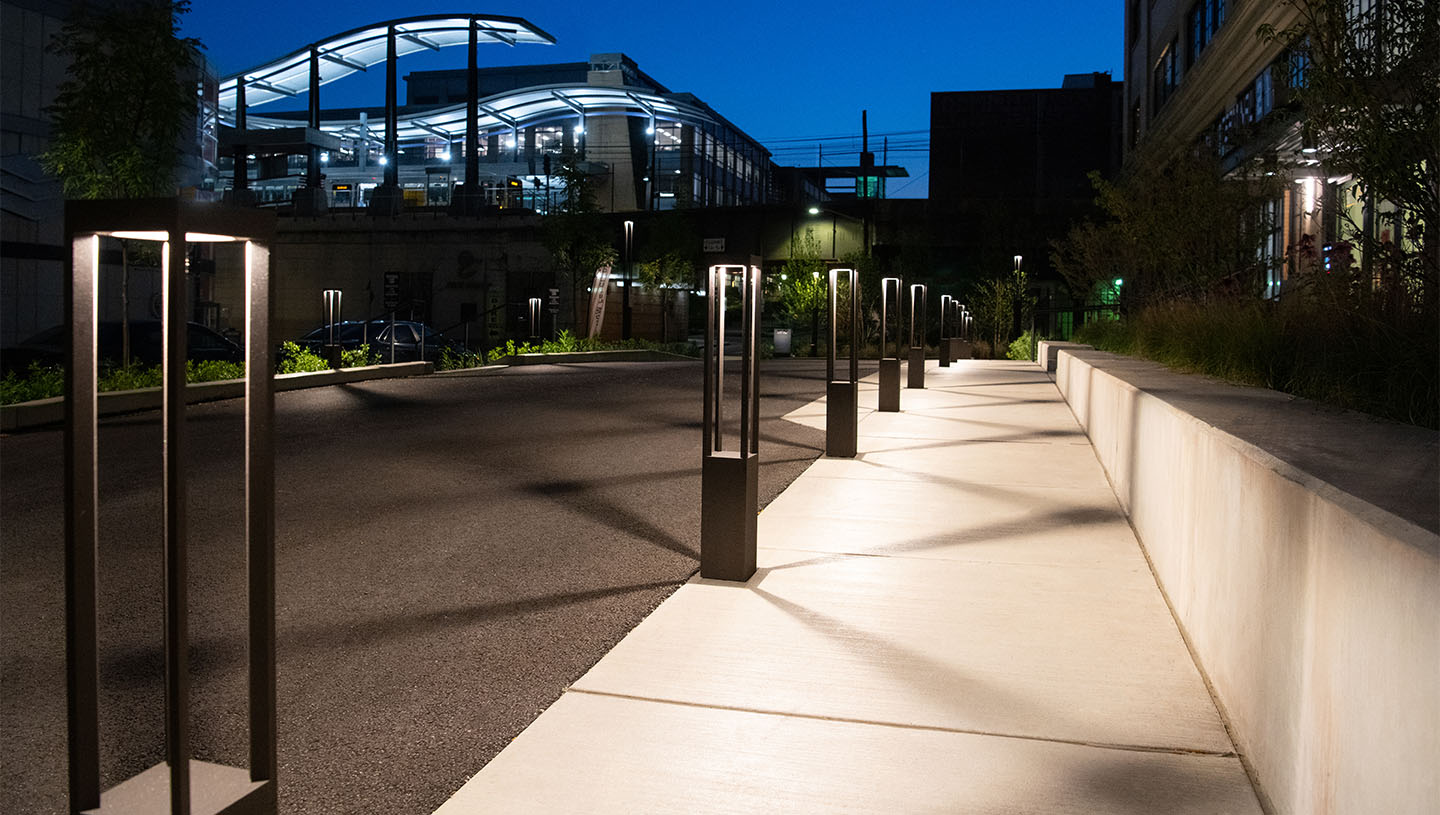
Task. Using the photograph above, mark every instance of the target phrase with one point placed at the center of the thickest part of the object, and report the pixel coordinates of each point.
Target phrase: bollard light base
(890, 385)
(944, 351)
(841, 419)
(964, 349)
(729, 502)
(916, 373)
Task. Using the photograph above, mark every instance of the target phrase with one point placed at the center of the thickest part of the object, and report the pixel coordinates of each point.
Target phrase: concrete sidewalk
(958, 620)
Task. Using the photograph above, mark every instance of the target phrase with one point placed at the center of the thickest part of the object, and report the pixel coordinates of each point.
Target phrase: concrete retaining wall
(52, 411)
(1314, 613)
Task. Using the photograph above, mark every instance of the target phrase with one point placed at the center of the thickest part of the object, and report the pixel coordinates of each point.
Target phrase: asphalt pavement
(453, 552)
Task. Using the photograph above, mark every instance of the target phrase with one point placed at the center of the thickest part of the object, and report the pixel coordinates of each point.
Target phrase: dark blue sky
(788, 72)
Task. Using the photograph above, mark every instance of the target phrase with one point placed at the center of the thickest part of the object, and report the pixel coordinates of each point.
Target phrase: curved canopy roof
(357, 50)
(533, 105)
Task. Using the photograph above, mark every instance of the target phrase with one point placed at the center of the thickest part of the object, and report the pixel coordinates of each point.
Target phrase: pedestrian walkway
(957, 620)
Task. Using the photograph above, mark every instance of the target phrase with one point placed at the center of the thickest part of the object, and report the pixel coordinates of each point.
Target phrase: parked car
(351, 334)
(48, 347)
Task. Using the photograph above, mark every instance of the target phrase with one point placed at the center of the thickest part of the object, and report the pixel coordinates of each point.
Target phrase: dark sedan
(48, 347)
(408, 334)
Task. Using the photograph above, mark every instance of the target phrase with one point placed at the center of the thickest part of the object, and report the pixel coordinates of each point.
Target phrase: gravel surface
(453, 551)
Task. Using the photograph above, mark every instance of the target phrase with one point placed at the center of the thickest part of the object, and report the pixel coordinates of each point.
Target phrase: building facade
(641, 146)
(1201, 75)
(1010, 172)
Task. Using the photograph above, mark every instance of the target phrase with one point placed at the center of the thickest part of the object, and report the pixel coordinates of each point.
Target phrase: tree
(804, 286)
(120, 116)
(1173, 230)
(577, 237)
(668, 261)
(1368, 97)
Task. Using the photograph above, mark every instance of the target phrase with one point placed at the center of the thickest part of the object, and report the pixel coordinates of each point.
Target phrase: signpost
(730, 479)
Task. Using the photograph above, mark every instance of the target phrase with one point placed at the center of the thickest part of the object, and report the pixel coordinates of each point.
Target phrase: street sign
(712, 245)
(392, 290)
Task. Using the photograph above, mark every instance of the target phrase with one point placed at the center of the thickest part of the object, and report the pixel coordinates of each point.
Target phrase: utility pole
(867, 166)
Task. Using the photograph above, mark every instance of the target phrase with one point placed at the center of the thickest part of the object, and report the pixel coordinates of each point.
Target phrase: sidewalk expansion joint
(1133, 748)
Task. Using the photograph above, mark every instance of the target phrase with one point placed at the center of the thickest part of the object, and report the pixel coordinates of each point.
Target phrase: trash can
(782, 342)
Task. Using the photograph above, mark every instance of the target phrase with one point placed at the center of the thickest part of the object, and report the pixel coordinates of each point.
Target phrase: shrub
(359, 357)
(1023, 348)
(1307, 348)
(38, 382)
(293, 359)
(451, 361)
(133, 378)
(208, 370)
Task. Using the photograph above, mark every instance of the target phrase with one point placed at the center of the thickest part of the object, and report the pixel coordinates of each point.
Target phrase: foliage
(668, 261)
(579, 244)
(295, 358)
(563, 343)
(120, 114)
(38, 382)
(1023, 348)
(1370, 103)
(213, 370)
(359, 357)
(450, 361)
(577, 237)
(1299, 345)
(995, 303)
(46, 381)
(1172, 230)
(804, 285)
(130, 378)
(566, 343)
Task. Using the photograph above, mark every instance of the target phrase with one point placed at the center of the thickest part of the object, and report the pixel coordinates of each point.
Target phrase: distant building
(644, 146)
(1009, 172)
(31, 202)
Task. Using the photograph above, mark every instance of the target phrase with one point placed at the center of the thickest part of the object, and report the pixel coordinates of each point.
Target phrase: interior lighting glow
(157, 235)
(324, 158)
(445, 156)
(579, 130)
(814, 210)
(384, 160)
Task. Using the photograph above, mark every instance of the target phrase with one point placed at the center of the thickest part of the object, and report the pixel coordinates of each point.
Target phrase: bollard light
(729, 479)
(889, 394)
(918, 308)
(842, 395)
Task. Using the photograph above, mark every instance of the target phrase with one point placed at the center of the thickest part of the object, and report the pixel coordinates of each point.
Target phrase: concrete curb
(41, 412)
(598, 356)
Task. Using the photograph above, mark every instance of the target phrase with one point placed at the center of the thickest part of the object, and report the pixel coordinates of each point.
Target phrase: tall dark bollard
(889, 366)
(730, 479)
(842, 418)
(918, 307)
(944, 348)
